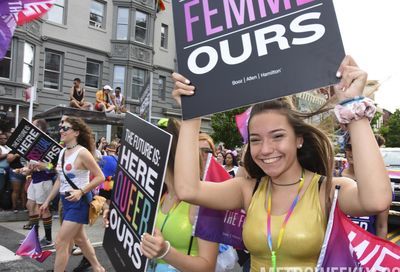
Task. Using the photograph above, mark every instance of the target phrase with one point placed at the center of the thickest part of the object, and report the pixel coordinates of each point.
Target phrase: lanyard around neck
(167, 216)
(283, 227)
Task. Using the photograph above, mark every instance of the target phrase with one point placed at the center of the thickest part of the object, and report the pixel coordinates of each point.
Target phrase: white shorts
(38, 192)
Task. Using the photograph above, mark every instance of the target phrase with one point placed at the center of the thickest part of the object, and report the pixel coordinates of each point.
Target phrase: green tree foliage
(225, 130)
(375, 120)
(384, 130)
(393, 130)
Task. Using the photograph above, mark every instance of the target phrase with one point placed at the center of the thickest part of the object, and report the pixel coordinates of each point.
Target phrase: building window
(97, 14)
(52, 70)
(119, 77)
(122, 23)
(162, 81)
(5, 65)
(164, 36)
(141, 27)
(56, 13)
(27, 70)
(93, 70)
(139, 77)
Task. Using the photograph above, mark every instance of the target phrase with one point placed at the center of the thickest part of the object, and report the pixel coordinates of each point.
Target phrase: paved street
(394, 235)
(11, 233)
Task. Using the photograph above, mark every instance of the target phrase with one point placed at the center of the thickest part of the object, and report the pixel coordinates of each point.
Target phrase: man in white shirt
(119, 101)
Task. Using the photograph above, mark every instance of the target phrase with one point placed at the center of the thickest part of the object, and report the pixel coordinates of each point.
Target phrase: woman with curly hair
(75, 163)
(230, 163)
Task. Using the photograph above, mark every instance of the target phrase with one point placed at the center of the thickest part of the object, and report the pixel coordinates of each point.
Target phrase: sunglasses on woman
(64, 128)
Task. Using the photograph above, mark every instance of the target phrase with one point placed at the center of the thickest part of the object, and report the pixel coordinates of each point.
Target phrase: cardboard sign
(142, 161)
(33, 144)
(239, 52)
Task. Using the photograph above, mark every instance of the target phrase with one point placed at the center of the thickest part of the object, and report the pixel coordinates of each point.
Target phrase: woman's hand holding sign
(154, 246)
(353, 80)
(181, 87)
(352, 106)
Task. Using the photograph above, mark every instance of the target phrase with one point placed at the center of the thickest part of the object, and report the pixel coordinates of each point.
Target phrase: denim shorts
(14, 177)
(75, 211)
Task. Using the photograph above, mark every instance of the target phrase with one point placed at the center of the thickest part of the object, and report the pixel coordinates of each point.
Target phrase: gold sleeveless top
(303, 237)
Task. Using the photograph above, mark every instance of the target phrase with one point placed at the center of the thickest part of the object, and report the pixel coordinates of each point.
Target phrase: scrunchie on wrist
(355, 109)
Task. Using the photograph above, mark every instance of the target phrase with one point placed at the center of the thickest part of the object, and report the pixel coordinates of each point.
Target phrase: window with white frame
(122, 23)
(52, 70)
(56, 13)
(93, 69)
(97, 15)
(164, 36)
(5, 65)
(139, 77)
(119, 77)
(29, 57)
(141, 27)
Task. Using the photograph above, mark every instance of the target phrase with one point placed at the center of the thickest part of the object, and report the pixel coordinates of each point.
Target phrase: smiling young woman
(285, 197)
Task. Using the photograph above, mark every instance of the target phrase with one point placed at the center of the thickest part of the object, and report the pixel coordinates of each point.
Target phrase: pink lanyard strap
(283, 227)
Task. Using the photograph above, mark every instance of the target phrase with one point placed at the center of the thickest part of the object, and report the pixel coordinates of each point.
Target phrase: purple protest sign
(220, 226)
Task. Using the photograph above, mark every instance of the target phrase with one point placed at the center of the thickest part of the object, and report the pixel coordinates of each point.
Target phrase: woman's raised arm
(372, 192)
(225, 195)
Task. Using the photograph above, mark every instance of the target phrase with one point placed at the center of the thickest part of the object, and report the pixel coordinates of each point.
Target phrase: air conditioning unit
(95, 24)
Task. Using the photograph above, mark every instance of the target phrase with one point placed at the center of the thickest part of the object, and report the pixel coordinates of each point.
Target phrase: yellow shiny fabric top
(303, 237)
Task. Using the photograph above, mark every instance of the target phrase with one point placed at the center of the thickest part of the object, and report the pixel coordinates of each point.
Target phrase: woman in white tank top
(78, 163)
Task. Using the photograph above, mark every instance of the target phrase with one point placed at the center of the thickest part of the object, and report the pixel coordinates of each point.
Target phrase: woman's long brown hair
(85, 137)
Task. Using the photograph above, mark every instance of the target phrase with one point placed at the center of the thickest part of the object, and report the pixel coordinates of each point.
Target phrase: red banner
(33, 9)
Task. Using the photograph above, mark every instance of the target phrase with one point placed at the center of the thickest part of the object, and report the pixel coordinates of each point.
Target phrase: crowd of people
(32, 186)
(284, 179)
(106, 99)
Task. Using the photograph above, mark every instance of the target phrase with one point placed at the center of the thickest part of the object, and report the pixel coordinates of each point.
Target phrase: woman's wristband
(351, 100)
(166, 251)
(355, 109)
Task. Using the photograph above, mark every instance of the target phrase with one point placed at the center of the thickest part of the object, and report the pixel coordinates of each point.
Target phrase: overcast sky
(369, 29)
